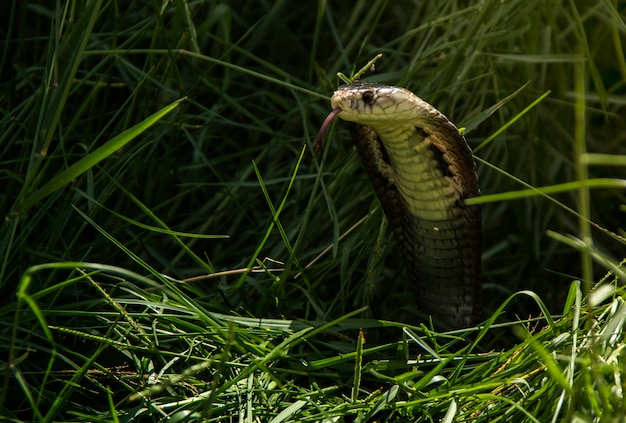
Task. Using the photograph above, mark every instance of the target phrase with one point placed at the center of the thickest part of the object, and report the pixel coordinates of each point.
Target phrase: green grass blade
(68, 175)
(551, 365)
(597, 183)
(510, 122)
(288, 412)
(358, 367)
(73, 45)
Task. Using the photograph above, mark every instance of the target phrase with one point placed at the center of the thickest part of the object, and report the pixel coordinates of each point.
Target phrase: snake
(422, 170)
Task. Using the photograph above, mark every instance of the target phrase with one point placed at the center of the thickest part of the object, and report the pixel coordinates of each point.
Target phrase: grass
(173, 250)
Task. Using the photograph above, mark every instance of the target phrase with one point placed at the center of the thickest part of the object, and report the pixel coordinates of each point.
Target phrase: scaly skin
(422, 170)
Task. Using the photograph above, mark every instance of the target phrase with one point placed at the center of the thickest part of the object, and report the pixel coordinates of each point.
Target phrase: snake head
(375, 104)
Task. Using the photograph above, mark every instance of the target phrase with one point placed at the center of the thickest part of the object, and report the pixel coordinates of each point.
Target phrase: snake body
(422, 170)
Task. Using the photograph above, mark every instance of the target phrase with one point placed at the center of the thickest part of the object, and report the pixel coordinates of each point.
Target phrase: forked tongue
(324, 128)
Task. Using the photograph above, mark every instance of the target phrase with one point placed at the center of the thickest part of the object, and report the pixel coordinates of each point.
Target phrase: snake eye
(368, 97)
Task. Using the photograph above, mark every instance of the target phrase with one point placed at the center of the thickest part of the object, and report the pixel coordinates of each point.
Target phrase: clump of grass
(177, 259)
(154, 350)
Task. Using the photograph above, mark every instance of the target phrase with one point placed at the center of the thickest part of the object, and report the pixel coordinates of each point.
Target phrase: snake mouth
(324, 127)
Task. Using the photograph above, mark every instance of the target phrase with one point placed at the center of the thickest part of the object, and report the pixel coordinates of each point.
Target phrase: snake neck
(419, 171)
(422, 172)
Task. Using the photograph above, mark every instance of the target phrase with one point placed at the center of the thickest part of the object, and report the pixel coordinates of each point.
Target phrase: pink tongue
(325, 125)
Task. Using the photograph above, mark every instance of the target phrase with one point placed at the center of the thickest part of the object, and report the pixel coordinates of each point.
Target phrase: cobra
(422, 170)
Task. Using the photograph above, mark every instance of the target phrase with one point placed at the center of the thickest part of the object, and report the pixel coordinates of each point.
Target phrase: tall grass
(172, 248)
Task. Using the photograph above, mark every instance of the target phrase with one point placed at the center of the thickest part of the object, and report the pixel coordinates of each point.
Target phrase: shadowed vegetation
(172, 248)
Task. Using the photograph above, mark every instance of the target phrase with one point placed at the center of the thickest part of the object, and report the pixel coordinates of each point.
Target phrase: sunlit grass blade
(475, 121)
(68, 175)
(592, 159)
(549, 190)
(510, 122)
(581, 246)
